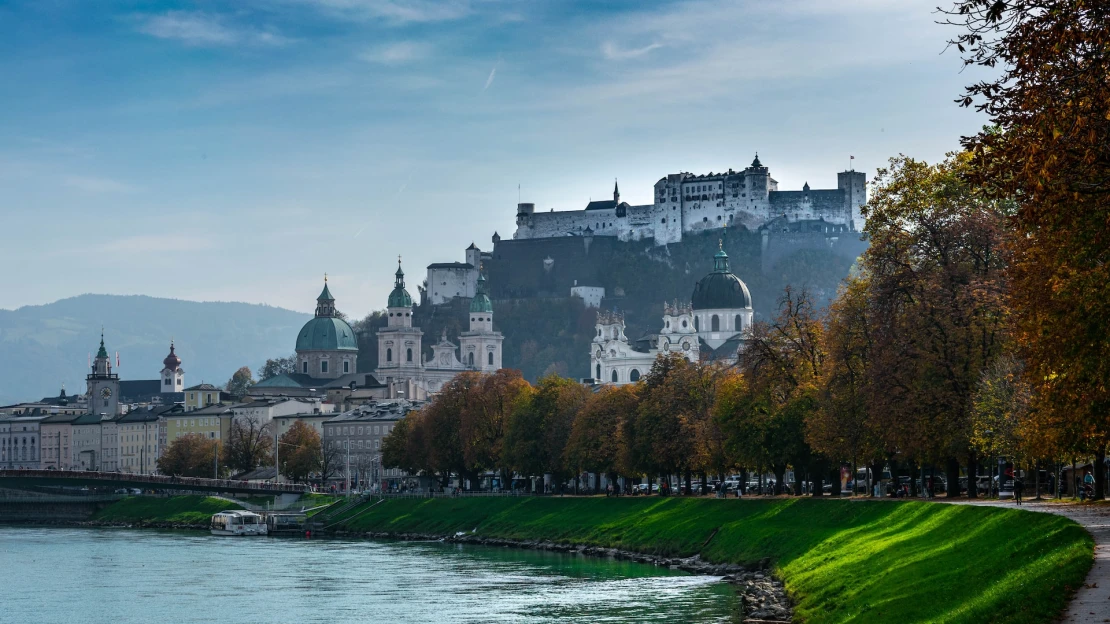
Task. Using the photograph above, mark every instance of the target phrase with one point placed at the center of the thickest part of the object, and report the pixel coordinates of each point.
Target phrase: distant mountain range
(43, 347)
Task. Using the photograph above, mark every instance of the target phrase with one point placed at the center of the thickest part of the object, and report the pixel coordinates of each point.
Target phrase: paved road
(1092, 602)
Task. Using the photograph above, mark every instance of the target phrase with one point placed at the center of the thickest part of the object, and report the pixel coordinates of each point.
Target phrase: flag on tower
(117, 359)
(852, 157)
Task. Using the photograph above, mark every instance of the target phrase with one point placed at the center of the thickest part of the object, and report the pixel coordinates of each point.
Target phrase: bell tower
(399, 343)
(480, 348)
(102, 385)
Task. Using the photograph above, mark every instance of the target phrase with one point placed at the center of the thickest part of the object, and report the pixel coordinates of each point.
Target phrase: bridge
(115, 480)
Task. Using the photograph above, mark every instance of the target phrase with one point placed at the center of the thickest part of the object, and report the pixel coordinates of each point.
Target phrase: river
(121, 576)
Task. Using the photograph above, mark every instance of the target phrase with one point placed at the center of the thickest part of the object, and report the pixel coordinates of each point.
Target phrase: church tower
(399, 347)
(102, 385)
(480, 348)
(173, 376)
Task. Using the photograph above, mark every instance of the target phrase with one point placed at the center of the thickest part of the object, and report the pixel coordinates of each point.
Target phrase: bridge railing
(180, 482)
(101, 498)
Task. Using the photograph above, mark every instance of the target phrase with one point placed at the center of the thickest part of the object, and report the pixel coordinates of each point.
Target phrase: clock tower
(102, 385)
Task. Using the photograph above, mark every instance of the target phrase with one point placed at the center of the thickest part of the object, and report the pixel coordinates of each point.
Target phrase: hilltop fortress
(687, 203)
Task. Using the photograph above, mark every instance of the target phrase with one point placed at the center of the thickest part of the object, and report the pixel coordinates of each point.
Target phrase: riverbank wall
(859, 561)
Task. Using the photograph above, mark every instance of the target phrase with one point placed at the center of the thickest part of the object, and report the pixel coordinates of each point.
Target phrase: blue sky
(237, 151)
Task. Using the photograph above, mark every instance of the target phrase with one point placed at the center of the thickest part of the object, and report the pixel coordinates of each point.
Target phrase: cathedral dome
(172, 362)
(720, 290)
(326, 333)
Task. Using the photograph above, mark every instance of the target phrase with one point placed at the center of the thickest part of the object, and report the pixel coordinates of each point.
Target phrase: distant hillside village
(580, 256)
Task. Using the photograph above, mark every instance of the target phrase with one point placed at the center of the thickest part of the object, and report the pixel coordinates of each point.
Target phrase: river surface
(120, 576)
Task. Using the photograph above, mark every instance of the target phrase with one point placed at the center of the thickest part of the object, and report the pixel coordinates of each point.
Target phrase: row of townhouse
(65, 439)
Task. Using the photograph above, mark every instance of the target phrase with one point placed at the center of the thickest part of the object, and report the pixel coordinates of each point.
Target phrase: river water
(121, 576)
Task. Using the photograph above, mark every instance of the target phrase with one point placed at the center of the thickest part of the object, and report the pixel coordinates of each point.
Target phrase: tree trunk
(780, 474)
(972, 475)
(704, 483)
(1100, 472)
(835, 474)
(689, 490)
(799, 480)
(952, 476)
(817, 483)
(913, 481)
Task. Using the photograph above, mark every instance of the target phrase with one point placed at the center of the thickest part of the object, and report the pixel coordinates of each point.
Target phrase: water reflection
(124, 576)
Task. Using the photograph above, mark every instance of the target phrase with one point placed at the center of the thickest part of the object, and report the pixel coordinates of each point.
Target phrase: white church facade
(400, 344)
(712, 326)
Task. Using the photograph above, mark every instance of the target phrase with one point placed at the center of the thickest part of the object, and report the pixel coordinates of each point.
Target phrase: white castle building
(685, 202)
(400, 353)
(712, 326)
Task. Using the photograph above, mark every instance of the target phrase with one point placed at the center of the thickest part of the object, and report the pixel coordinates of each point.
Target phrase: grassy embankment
(841, 561)
(189, 509)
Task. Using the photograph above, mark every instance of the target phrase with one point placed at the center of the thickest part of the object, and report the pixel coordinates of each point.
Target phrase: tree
(190, 455)
(936, 305)
(781, 365)
(539, 426)
(659, 439)
(1047, 149)
(332, 459)
(842, 426)
(594, 441)
(249, 444)
(278, 366)
(299, 453)
(491, 399)
(240, 382)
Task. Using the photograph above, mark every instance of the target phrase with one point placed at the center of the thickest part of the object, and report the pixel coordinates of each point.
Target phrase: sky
(240, 150)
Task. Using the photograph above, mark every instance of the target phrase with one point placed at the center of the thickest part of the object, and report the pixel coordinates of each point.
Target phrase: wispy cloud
(395, 11)
(204, 29)
(614, 53)
(96, 184)
(397, 53)
(489, 81)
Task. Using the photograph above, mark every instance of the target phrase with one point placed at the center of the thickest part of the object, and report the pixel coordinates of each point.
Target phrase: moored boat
(238, 523)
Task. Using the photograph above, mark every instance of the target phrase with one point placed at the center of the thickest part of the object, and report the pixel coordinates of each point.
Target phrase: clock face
(106, 392)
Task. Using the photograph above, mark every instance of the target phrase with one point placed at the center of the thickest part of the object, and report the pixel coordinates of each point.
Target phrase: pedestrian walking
(1019, 487)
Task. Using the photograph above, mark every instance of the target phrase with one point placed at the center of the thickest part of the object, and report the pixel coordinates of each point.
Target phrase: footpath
(1091, 603)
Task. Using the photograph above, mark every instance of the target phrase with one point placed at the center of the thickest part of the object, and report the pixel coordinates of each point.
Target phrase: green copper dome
(102, 353)
(326, 333)
(399, 298)
(720, 290)
(481, 302)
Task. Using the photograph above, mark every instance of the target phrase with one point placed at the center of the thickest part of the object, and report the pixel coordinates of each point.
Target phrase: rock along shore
(762, 596)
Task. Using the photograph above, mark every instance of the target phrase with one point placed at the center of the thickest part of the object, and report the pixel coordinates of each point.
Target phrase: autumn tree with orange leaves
(1048, 148)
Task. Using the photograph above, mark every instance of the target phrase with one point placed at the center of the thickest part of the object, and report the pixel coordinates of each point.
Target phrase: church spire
(325, 303)
(399, 298)
(616, 192)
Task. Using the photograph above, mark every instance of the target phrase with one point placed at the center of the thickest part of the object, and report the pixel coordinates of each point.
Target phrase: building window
(470, 359)
(697, 325)
(304, 367)
(409, 355)
(323, 366)
(491, 358)
(614, 376)
(715, 323)
(634, 375)
(346, 366)
(389, 355)
(738, 325)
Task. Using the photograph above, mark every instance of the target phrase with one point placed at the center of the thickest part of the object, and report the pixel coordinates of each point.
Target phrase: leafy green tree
(240, 382)
(537, 432)
(278, 366)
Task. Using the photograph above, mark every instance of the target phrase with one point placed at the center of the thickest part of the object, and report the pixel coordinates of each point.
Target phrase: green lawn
(186, 509)
(842, 561)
